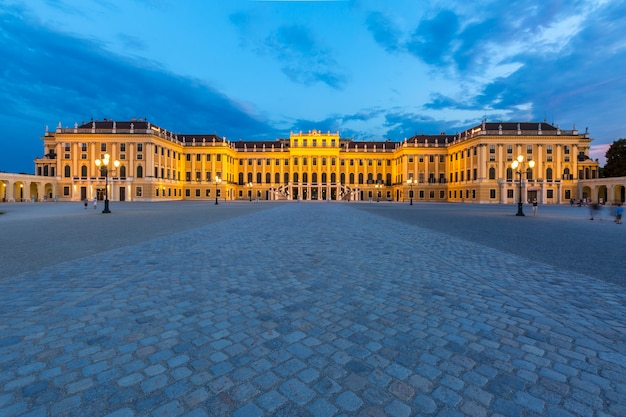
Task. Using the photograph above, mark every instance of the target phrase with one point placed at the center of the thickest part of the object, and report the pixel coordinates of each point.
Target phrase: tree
(616, 159)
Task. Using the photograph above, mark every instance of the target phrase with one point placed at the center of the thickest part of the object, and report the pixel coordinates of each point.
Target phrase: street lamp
(411, 181)
(103, 164)
(378, 187)
(217, 182)
(518, 166)
(249, 185)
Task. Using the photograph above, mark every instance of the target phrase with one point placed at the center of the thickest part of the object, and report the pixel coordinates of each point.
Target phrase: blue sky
(369, 69)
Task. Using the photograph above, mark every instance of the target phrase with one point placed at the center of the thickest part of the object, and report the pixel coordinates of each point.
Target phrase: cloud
(433, 40)
(384, 31)
(295, 47)
(303, 60)
(54, 73)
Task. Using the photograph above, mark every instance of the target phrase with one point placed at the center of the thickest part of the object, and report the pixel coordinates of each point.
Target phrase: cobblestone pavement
(310, 310)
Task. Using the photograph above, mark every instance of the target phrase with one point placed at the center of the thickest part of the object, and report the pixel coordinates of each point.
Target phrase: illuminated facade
(471, 166)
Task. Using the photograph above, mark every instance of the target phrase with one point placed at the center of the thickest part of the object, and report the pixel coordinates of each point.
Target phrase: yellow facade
(471, 166)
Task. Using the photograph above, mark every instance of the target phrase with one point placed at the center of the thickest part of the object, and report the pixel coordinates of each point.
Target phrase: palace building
(475, 165)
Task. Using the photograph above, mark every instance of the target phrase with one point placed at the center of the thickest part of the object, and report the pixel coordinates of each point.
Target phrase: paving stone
(444, 329)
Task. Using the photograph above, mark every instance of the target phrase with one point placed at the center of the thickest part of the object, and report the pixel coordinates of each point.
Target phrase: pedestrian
(534, 206)
(618, 214)
(86, 204)
(95, 203)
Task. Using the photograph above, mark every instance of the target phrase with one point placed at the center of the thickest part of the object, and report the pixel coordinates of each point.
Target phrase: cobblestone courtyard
(306, 310)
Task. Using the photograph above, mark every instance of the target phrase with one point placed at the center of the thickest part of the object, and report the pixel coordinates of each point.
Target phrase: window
(83, 171)
(566, 149)
(122, 147)
(140, 147)
(208, 157)
(83, 147)
(258, 161)
(550, 193)
(549, 174)
(314, 142)
(67, 171)
(295, 161)
(549, 149)
(421, 158)
(509, 193)
(410, 158)
(509, 149)
(431, 158)
(197, 192)
(139, 171)
(66, 191)
(492, 193)
(492, 173)
(103, 147)
(187, 193)
(188, 176)
(529, 149)
(218, 158)
(198, 157)
(188, 157)
(314, 161)
(198, 173)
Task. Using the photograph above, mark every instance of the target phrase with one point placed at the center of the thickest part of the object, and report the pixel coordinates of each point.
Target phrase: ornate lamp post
(378, 188)
(411, 181)
(103, 164)
(518, 166)
(217, 182)
(249, 185)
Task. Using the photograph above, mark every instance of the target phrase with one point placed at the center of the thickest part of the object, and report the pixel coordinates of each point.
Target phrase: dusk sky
(370, 69)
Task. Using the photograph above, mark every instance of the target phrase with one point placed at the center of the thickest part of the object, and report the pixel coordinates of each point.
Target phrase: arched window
(370, 178)
(139, 171)
(277, 178)
(324, 178)
(566, 174)
(83, 171)
(305, 178)
(122, 171)
(286, 178)
(492, 173)
(258, 177)
(45, 170)
(314, 177)
(342, 178)
(529, 174)
(333, 178)
(67, 171)
(388, 179)
(379, 178)
(549, 174)
(351, 178)
(249, 177)
(509, 174)
(361, 178)
(268, 178)
(241, 178)
(295, 177)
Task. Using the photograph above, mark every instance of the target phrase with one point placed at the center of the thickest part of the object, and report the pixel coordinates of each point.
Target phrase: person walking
(618, 214)
(534, 206)
(95, 203)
